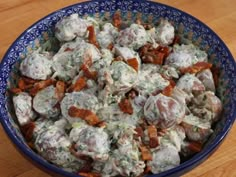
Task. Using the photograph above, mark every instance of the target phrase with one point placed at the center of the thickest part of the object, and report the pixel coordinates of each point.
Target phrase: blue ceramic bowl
(189, 28)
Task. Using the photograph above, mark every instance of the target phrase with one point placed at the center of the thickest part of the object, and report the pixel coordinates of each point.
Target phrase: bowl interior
(40, 35)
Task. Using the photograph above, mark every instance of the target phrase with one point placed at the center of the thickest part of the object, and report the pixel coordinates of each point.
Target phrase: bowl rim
(186, 166)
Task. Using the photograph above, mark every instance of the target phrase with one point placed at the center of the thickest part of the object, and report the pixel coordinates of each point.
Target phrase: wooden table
(17, 15)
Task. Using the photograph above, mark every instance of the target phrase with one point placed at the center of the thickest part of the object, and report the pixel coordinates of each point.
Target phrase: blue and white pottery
(189, 28)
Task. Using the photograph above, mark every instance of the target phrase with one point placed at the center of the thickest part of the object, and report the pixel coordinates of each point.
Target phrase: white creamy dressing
(150, 82)
(133, 37)
(44, 102)
(169, 71)
(36, 66)
(91, 141)
(81, 100)
(41, 125)
(208, 106)
(54, 145)
(196, 129)
(163, 110)
(127, 53)
(123, 75)
(63, 66)
(112, 113)
(190, 83)
(165, 33)
(107, 36)
(63, 63)
(23, 108)
(206, 78)
(70, 27)
(83, 52)
(176, 136)
(185, 55)
(165, 158)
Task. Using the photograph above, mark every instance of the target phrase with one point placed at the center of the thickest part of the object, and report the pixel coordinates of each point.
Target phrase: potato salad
(117, 98)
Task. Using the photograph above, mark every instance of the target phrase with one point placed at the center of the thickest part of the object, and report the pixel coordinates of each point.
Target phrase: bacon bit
(147, 170)
(102, 124)
(87, 167)
(133, 62)
(110, 46)
(147, 26)
(164, 50)
(119, 58)
(90, 174)
(139, 132)
(161, 132)
(199, 66)
(176, 40)
(73, 151)
(68, 49)
(84, 114)
(79, 155)
(89, 74)
(169, 89)
(149, 54)
(88, 61)
(195, 146)
(28, 130)
(29, 80)
(15, 90)
(131, 94)
(126, 106)
(21, 84)
(92, 37)
(31, 145)
(143, 123)
(40, 85)
(146, 154)
(78, 85)
(153, 138)
(117, 20)
(60, 90)
(216, 74)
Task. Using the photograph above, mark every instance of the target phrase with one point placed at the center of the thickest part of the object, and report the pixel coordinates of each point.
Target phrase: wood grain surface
(17, 15)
